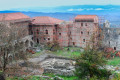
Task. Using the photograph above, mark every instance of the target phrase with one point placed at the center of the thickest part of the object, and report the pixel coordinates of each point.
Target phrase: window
(38, 41)
(114, 48)
(26, 43)
(48, 38)
(44, 39)
(109, 42)
(81, 32)
(81, 24)
(88, 33)
(31, 43)
(70, 32)
(53, 31)
(83, 40)
(32, 38)
(46, 31)
(59, 33)
(37, 31)
(74, 43)
(31, 32)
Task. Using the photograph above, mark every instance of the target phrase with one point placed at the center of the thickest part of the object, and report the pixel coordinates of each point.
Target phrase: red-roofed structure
(78, 33)
(87, 18)
(45, 20)
(17, 20)
(44, 29)
(13, 17)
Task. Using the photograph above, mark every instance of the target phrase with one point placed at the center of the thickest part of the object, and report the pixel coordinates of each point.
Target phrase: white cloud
(80, 9)
(99, 9)
(70, 9)
(90, 9)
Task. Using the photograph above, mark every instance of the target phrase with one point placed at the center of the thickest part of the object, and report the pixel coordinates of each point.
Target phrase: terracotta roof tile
(45, 20)
(87, 17)
(12, 16)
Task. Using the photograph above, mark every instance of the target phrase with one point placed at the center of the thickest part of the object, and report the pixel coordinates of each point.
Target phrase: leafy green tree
(91, 63)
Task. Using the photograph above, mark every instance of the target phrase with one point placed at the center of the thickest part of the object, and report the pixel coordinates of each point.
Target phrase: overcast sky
(9, 4)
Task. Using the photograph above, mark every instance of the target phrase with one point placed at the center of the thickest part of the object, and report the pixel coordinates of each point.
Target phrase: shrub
(53, 46)
(91, 63)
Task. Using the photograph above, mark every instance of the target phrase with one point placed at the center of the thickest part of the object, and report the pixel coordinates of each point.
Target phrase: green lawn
(114, 62)
(72, 52)
(63, 77)
(39, 78)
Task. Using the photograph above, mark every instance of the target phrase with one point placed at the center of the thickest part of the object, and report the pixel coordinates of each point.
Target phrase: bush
(91, 63)
(53, 46)
(2, 76)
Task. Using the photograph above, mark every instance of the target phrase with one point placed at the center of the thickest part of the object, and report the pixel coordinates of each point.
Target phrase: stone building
(82, 29)
(111, 37)
(20, 21)
(44, 29)
(75, 33)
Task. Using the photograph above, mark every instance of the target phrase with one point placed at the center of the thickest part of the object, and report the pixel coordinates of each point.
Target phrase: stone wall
(58, 65)
(111, 38)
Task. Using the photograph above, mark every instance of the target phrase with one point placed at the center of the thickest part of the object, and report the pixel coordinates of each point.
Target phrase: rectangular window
(88, 33)
(83, 40)
(74, 43)
(59, 33)
(81, 24)
(81, 32)
(114, 48)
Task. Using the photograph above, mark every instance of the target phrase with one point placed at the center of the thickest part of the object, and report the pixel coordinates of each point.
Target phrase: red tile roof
(87, 17)
(45, 20)
(12, 16)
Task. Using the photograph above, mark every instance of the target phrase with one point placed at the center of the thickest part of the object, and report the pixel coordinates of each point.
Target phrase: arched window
(31, 43)
(46, 31)
(26, 43)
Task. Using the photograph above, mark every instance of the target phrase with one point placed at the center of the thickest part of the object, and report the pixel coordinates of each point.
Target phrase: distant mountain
(109, 12)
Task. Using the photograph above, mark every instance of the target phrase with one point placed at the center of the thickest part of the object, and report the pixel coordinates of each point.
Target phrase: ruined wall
(111, 38)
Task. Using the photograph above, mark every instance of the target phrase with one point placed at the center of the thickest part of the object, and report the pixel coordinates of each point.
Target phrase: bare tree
(10, 43)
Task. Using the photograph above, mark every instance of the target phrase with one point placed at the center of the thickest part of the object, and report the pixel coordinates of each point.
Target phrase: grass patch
(39, 78)
(114, 62)
(63, 77)
(71, 53)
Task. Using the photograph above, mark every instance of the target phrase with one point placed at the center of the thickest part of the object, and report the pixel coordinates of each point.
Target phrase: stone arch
(26, 43)
(31, 43)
